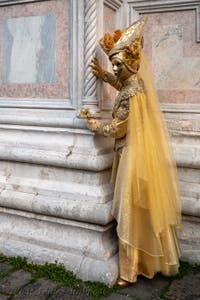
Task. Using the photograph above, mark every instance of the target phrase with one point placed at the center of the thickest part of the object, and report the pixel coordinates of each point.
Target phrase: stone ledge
(87, 250)
(71, 194)
(69, 148)
(96, 213)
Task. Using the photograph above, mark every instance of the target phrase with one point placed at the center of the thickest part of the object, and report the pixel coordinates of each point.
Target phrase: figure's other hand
(84, 113)
(97, 69)
(93, 125)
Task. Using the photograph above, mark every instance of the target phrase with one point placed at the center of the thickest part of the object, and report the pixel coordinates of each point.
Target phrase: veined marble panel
(170, 44)
(34, 50)
(172, 70)
(29, 49)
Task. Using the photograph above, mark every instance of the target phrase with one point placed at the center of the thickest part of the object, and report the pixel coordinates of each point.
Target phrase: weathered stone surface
(66, 147)
(190, 239)
(3, 297)
(78, 238)
(16, 280)
(187, 288)
(37, 290)
(90, 251)
(69, 294)
(4, 267)
(72, 194)
(146, 289)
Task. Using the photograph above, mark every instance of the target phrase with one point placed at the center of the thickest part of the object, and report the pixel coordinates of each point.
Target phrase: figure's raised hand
(96, 68)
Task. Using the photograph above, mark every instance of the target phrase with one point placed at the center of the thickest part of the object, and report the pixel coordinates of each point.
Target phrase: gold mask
(127, 43)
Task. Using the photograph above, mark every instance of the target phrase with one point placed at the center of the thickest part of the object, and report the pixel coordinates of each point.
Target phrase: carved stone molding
(114, 4)
(11, 2)
(90, 38)
(136, 7)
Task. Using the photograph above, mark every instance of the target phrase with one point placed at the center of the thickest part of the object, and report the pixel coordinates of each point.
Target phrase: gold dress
(146, 202)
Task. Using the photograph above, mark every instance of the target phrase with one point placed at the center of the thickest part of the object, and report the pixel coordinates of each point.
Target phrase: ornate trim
(144, 6)
(35, 103)
(180, 108)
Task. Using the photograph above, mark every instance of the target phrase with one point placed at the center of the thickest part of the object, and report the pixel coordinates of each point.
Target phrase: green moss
(59, 274)
(96, 290)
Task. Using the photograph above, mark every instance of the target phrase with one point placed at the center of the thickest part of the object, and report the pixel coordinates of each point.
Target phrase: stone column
(90, 45)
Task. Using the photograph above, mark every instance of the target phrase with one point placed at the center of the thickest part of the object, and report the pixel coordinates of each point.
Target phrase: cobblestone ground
(20, 285)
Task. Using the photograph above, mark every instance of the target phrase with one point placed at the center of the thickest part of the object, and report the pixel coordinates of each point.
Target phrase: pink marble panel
(170, 44)
(59, 89)
(109, 26)
(109, 19)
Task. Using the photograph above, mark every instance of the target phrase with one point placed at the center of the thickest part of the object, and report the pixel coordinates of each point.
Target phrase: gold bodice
(118, 127)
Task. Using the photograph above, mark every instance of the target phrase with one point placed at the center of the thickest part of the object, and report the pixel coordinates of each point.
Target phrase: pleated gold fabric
(146, 199)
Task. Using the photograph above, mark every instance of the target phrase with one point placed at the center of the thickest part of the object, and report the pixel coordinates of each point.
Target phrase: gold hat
(126, 44)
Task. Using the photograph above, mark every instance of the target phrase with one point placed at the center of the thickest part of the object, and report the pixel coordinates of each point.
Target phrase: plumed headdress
(127, 44)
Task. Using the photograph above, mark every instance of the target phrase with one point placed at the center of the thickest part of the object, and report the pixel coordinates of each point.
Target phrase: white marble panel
(29, 49)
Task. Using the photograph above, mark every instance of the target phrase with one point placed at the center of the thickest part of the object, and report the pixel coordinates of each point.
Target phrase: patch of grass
(58, 273)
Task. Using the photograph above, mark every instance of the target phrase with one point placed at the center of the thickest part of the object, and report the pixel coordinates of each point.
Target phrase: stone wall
(56, 198)
(55, 195)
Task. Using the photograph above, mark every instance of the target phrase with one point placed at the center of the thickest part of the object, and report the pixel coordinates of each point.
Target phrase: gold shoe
(123, 283)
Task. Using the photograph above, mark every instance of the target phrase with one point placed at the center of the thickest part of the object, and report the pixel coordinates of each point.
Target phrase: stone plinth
(86, 249)
(58, 212)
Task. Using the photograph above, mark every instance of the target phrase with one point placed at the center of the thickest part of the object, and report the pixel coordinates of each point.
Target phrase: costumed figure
(146, 202)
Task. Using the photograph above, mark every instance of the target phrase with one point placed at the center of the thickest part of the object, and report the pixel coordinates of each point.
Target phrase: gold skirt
(146, 203)
(134, 262)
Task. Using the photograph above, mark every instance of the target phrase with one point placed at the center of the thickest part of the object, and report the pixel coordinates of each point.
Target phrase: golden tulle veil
(146, 200)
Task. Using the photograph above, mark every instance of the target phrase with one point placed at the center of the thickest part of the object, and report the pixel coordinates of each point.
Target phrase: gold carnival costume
(146, 199)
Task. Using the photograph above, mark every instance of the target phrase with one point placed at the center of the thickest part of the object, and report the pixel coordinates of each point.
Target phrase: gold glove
(93, 125)
(84, 113)
(97, 69)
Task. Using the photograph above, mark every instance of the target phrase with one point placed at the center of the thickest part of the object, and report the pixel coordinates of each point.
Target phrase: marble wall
(34, 50)
(170, 43)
